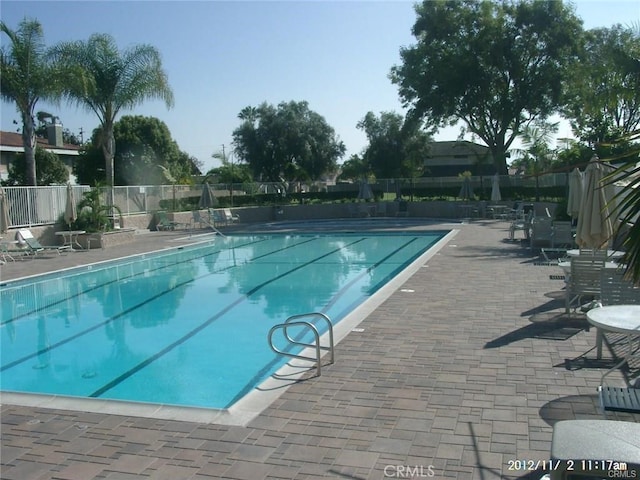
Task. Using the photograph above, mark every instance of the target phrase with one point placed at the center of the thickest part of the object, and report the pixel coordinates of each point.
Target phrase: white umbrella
(595, 226)
(576, 186)
(4, 211)
(70, 211)
(495, 189)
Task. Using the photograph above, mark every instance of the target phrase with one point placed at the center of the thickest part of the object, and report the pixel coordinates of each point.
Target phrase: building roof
(456, 147)
(12, 142)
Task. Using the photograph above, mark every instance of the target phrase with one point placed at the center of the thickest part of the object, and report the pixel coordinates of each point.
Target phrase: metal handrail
(294, 321)
(316, 315)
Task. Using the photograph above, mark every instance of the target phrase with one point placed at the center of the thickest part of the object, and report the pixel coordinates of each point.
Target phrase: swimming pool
(187, 327)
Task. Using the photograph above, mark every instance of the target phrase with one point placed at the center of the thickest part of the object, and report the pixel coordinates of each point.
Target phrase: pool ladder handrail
(295, 321)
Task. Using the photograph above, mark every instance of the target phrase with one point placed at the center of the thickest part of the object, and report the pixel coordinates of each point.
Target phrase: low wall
(433, 209)
(120, 236)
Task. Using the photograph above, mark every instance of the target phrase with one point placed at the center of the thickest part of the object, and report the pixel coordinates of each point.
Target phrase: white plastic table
(566, 266)
(611, 254)
(70, 238)
(623, 319)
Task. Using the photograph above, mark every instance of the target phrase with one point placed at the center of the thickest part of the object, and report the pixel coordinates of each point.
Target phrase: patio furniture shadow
(548, 326)
(617, 346)
(554, 304)
(571, 407)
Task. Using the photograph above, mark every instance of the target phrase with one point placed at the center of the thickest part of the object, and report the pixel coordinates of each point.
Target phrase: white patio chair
(521, 224)
(541, 232)
(584, 279)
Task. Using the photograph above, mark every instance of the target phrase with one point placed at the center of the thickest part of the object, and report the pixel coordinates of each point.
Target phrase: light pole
(224, 156)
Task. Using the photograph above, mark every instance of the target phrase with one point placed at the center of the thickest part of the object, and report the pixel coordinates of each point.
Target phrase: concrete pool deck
(464, 368)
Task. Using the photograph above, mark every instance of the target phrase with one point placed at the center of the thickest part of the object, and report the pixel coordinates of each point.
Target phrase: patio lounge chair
(562, 239)
(164, 223)
(520, 224)
(216, 217)
(541, 232)
(25, 237)
(230, 217)
(9, 250)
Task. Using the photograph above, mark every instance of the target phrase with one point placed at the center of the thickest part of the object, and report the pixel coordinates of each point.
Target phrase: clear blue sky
(223, 56)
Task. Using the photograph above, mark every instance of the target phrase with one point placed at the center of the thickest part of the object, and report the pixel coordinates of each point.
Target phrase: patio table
(70, 238)
(499, 211)
(611, 254)
(566, 266)
(623, 319)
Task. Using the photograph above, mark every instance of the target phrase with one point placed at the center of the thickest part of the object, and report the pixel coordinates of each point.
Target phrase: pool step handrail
(295, 321)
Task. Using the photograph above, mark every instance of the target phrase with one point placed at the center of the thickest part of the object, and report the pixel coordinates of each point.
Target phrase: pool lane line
(121, 378)
(250, 385)
(102, 285)
(130, 310)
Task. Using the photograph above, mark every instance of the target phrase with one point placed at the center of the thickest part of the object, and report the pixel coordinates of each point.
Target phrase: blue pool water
(186, 327)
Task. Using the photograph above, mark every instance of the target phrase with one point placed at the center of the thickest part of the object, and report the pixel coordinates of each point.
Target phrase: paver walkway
(460, 372)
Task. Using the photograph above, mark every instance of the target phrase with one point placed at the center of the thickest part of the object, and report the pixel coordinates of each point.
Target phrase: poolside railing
(38, 206)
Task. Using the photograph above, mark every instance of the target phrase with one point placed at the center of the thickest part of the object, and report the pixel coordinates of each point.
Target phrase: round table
(623, 319)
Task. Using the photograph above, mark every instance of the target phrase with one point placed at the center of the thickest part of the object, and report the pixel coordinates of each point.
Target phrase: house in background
(11, 145)
(448, 159)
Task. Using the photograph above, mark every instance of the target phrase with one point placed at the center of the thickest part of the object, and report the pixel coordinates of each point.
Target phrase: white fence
(33, 206)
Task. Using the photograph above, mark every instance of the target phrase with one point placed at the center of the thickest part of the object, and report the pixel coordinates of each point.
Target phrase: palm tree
(536, 153)
(28, 75)
(111, 80)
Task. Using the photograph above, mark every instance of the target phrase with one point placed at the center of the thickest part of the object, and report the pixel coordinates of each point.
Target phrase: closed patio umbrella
(595, 226)
(4, 211)
(70, 210)
(365, 192)
(495, 189)
(576, 181)
(207, 198)
(466, 192)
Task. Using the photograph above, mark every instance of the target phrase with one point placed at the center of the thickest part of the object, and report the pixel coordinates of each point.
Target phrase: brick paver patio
(462, 370)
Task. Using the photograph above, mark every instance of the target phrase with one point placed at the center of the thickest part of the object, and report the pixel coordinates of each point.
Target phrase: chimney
(54, 134)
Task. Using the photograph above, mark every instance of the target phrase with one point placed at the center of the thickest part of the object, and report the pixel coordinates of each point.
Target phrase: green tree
(603, 101)
(355, 168)
(143, 146)
(229, 172)
(110, 81)
(51, 170)
(397, 148)
(28, 75)
(494, 66)
(288, 142)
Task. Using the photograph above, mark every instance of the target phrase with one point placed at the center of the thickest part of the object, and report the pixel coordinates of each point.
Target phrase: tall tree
(28, 75)
(493, 65)
(285, 143)
(51, 170)
(112, 80)
(397, 148)
(603, 102)
(144, 148)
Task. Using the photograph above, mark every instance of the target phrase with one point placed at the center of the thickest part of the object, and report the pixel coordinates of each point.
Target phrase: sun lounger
(32, 245)
(230, 217)
(165, 224)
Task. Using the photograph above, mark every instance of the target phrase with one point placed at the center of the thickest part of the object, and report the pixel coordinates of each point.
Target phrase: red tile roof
(12, 139)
